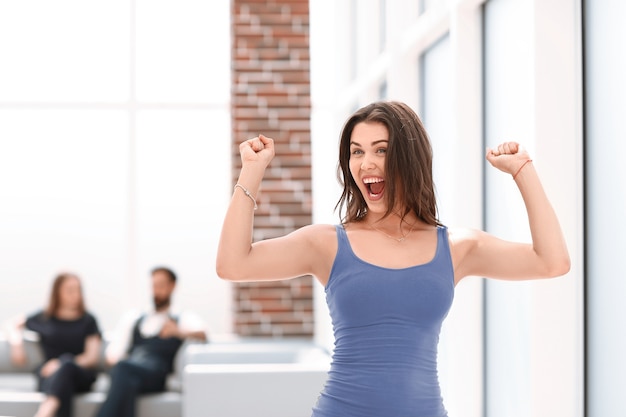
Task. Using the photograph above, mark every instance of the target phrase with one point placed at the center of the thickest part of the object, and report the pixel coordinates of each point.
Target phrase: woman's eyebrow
(376, 142)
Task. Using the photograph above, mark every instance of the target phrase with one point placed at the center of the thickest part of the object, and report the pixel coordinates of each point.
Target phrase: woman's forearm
(91, 355)
(547, 236)
(236, 237)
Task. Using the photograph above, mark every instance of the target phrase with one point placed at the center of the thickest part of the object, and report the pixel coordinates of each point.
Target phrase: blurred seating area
(228, 377)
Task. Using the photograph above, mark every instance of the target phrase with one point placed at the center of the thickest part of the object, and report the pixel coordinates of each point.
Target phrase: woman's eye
(382, 150)
(356, 152)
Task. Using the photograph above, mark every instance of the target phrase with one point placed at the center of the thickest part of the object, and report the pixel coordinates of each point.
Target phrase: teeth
(372, 180)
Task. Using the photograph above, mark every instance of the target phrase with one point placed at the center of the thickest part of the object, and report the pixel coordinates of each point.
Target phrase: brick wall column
(271, 95)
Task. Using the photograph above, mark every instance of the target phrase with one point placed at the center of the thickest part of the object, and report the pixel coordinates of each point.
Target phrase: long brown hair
(408, 164)
(55, 298)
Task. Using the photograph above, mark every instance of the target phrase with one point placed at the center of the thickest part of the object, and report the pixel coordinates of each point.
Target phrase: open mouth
(375, 187)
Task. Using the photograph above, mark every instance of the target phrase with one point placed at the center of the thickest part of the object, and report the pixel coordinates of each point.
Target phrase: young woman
(390, 267)
(70, 341)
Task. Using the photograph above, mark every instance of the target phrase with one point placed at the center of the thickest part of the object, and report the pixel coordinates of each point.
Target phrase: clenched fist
(508, 157)
(257, 150)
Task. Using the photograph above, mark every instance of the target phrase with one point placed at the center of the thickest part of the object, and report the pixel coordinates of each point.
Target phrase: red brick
(271, 95)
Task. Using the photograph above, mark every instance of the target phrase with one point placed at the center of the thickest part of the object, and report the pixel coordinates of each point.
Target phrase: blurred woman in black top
(70, 341)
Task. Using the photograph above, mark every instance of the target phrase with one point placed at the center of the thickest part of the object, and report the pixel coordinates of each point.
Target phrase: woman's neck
(67, 313)
(393, 221)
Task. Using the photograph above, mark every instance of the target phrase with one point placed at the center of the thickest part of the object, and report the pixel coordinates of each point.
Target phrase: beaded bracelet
(520, 168)
(246, 192)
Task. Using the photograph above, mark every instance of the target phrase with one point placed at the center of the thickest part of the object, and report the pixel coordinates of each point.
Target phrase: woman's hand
(50, 367)
(508, 157)
(257, 150)
(14, 330)
(18, 355)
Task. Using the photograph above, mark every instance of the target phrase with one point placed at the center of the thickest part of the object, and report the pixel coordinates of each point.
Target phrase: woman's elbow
(227, 272)
(223, 273)
(559, 267)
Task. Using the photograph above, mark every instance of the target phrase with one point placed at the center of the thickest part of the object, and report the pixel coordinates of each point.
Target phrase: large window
(114, 141)
(605, 101)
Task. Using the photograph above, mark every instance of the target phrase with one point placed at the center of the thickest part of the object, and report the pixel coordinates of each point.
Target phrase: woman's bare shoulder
(462, 234)
(322, 241)
(318, 232)
(463, 239)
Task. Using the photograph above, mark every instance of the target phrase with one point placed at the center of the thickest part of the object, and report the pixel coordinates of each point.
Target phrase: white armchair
(253, 379)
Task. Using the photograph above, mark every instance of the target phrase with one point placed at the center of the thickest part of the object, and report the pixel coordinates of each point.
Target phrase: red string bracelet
(520, 168)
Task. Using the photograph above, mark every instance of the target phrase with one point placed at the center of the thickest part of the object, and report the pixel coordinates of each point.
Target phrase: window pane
(508, 67)
(183, 183)
(605, 93)
(183, 50)
(65, 50)
(437, 111)
(427, 4)
(63, 187)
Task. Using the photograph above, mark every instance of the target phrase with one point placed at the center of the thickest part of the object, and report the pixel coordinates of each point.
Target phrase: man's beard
(161, 303)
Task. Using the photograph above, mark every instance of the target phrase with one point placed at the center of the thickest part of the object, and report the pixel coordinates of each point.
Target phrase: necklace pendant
(401, 239)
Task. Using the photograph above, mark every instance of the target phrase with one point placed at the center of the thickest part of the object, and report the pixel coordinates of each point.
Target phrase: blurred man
(143, 349)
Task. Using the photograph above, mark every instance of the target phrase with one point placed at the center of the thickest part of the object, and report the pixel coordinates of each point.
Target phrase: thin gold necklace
(397, 239)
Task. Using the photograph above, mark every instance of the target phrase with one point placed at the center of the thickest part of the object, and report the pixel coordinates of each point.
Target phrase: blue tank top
(386, 324)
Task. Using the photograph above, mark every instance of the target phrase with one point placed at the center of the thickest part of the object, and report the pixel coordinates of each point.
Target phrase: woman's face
(368, 148)
(69, 293)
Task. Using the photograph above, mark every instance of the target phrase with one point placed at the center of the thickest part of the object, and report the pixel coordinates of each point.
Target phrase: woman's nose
(367, 163)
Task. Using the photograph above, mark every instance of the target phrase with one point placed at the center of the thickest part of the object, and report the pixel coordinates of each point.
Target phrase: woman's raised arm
(546, 257)
(238, 259)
